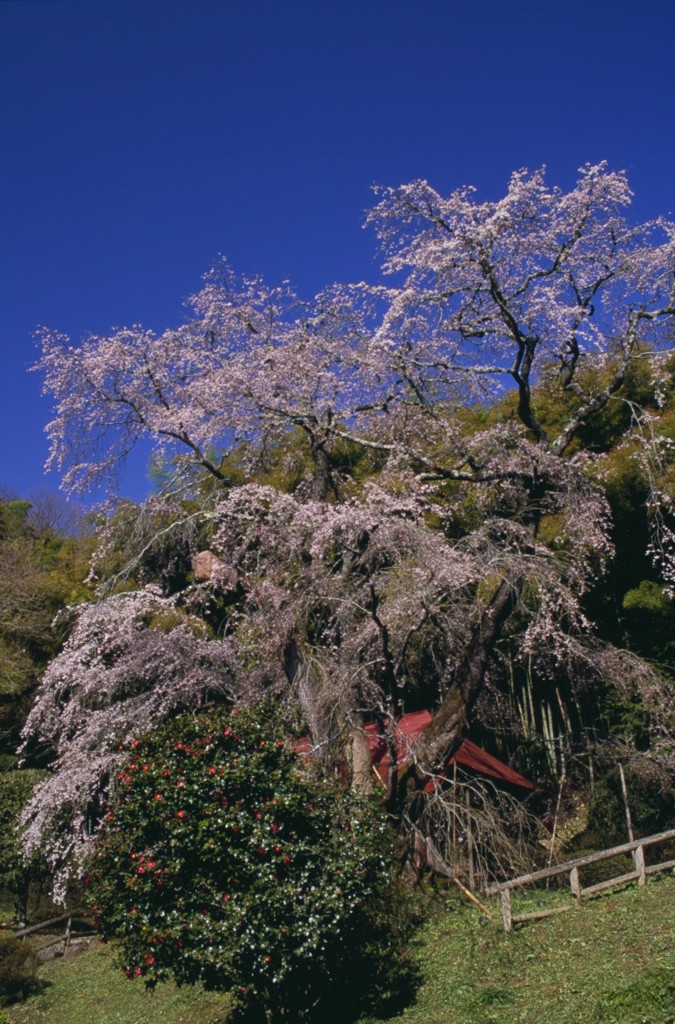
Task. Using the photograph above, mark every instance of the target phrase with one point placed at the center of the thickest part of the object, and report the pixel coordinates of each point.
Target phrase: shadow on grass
(10, 994)
(362, 995)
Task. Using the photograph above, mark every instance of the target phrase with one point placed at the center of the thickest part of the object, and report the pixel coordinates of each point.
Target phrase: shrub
(223, 860)
(18, 966)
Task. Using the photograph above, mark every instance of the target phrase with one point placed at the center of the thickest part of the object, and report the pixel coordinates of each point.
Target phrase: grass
(610, 962)
(89, 989)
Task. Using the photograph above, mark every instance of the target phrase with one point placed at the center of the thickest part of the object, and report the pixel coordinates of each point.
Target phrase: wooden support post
(639, 859)
(473, 898)
(506, 909)
(624, 790)
(454, 817)
(575, 886)
(469, 841)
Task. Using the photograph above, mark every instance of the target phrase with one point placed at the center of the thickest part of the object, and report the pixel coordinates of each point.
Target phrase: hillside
(611, 962)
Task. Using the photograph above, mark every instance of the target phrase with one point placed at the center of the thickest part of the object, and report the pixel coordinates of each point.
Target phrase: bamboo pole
(555, 817)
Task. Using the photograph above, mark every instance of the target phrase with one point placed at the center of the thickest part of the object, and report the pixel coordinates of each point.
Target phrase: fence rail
(68, 917)
(572, 867)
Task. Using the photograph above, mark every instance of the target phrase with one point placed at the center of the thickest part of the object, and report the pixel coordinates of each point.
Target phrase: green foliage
(17, 874)
(224, 861)
(650, 621)
(18, 967)
(651, 805)
(41, 572)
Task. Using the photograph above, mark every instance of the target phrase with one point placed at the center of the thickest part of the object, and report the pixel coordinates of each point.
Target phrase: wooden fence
(22, 933)
(573, 867)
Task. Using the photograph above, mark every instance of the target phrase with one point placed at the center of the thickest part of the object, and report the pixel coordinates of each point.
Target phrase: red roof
(409, 728)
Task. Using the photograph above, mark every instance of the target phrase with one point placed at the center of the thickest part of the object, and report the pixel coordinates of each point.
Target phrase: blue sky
(142, 139)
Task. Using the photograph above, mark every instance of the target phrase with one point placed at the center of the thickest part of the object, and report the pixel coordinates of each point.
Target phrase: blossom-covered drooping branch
(131, 662)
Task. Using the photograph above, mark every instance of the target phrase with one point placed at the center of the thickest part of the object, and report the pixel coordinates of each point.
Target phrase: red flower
(180, 814)
(149, 958)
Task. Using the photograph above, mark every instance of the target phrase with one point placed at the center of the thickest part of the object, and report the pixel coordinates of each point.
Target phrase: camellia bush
(224, 861)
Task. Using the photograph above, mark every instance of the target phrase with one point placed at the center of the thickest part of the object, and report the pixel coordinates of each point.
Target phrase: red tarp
(409, 728)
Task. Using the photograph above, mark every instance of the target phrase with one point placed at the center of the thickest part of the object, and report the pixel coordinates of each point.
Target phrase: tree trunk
(362, 761)
(451, 722)
(321, 480)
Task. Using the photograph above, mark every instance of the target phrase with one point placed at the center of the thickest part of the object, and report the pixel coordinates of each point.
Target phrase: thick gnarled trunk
(451, 722)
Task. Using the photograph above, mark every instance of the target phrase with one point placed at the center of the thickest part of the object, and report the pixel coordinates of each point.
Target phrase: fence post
(639, 858)
(575, 886)
(506, 909)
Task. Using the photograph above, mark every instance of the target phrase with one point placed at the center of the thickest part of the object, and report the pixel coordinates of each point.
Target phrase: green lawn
(611, 962)
(90, 990)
